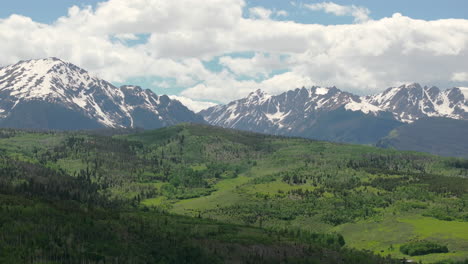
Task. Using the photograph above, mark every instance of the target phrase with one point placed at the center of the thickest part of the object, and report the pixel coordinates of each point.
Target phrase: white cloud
(224, 88)
(142, 16)
(260, 65)
(126, 36)
(260, 12)
(282, 13)
(195, 106)
(162, 84)
(360, 14)
(362, 57)
(460, 77)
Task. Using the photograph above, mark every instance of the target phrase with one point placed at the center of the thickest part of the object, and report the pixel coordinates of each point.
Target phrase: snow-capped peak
(258, 96)
(412, 101)
(320, 90)
(411, 86)
(38, 79)
(363, 106)
(61, 83)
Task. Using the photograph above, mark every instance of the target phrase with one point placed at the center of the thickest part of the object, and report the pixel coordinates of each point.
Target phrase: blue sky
(47, 11)
(274, 45)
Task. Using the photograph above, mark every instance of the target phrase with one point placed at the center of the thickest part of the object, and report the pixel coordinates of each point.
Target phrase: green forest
(200, 194)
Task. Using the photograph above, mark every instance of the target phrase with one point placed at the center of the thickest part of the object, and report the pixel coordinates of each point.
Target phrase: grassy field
(385, 237)
(224, 195)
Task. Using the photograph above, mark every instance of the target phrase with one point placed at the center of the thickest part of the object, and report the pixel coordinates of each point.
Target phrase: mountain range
(53, 94)
(335, 115)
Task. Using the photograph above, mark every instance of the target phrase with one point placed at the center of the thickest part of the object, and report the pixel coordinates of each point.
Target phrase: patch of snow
(464, 91)
(278, 116)
(131, 87)
(322, 102)
(258, 96)
(364, 107)
(233, 116)
(384, 98)
(102, 118)
(80, 100)
(410, 85)
(321, 91)
(443, 108)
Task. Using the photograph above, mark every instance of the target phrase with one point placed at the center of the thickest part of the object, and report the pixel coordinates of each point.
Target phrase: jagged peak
(43, 66)
(132, 87)
(462, 90)
(258, 93)
(318, 90)
(48, 60)
(45, 78)
(413, 85)
(392, 91)
(431, 88)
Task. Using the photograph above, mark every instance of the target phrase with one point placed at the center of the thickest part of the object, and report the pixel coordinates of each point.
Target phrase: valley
(377, 199)
(233, 132)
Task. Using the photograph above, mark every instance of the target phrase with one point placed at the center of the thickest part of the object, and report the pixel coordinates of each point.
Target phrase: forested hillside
(193, 193)
(440, 136)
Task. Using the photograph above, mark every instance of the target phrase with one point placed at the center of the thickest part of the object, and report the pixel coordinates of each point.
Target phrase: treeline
(35, 180)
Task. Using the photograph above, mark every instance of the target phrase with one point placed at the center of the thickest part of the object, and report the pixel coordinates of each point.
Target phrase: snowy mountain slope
(282, 111)
(331, 114)
(301, 112)
(31, 92)
(406, 103)
(411, 102)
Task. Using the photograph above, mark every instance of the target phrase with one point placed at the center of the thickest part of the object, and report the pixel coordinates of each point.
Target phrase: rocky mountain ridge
(31, 91)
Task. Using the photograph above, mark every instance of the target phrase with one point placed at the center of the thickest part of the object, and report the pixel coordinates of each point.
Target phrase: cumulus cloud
(126, 36)
(260, 65)
(360, 14)
(224, 88)
(460, 77)
(282, 13)
(260, 12)
(195, 106)
(181, 36)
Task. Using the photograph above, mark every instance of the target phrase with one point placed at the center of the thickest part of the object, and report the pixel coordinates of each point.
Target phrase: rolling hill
(224, 195)
(440, 136)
